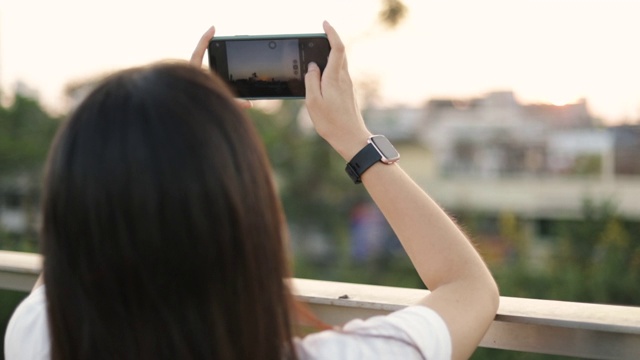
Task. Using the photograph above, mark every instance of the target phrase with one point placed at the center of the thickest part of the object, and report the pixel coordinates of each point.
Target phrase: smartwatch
(378, 148)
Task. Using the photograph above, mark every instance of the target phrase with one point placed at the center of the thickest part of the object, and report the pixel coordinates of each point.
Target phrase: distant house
(496, 136)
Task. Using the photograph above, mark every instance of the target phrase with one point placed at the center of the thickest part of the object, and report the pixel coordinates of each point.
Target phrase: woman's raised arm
(463, 291)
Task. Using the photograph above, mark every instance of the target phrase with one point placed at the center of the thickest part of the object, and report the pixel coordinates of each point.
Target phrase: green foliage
(316, 194)
(593, 259)
(26, 242)
(306, 168)
(598, 259)
(26, 130)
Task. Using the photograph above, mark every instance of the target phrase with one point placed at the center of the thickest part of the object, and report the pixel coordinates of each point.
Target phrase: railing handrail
(596, 331)
(19, 270)
(584, 330)
(587, 316)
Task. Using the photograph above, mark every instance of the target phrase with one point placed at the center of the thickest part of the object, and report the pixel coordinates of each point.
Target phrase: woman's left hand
(201, 48)
(198, 55)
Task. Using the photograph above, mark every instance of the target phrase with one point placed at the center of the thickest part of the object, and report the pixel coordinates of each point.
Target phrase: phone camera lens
(272, 45)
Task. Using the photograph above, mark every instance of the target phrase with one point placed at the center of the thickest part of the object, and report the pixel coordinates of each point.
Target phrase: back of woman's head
(162, 234)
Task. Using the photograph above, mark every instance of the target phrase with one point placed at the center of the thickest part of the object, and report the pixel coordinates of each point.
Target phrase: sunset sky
(276, 63)
(554, 51)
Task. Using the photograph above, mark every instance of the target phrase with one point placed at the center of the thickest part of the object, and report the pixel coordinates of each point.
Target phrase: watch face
(383, 144)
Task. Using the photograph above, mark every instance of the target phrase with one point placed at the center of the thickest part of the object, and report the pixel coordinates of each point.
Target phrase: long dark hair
(163, 237)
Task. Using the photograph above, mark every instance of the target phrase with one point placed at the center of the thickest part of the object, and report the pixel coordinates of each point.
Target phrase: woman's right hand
(331, 102)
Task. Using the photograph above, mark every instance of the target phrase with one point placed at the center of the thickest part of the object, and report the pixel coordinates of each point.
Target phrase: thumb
(312, 81)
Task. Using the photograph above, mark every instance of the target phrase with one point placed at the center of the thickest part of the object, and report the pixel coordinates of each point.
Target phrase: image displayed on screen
(276, 71)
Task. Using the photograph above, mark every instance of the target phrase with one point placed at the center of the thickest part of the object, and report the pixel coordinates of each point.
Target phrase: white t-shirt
(415, 332)
(27, 335)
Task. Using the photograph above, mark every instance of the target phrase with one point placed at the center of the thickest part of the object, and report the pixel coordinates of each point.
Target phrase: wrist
(349, 146)
(378, 149)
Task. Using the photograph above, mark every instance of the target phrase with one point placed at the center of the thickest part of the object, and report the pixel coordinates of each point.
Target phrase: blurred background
(521, 118)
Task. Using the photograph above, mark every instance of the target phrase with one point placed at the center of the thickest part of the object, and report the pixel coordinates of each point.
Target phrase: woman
(163, 236)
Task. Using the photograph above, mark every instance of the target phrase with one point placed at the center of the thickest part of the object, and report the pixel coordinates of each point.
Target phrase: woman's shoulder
(27, 334)
(415, 332)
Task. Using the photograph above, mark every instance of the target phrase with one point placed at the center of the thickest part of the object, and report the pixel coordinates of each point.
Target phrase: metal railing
(592, 331)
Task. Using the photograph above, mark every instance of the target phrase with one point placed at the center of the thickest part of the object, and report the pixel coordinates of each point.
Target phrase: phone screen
(264, 68)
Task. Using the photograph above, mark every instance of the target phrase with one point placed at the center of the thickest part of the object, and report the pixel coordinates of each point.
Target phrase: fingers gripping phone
(267, 66)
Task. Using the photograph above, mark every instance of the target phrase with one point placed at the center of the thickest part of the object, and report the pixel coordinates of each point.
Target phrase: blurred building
(397, 123)
(491, 158)
(496, 136)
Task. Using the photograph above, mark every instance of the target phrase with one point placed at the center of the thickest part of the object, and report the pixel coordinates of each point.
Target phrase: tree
(392, 13)
(316, 193)
(26, 131)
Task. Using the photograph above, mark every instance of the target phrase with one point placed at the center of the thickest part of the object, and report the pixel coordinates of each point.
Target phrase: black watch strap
(363, 160)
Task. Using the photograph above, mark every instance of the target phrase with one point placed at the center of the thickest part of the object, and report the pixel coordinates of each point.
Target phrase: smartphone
(267, 66)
